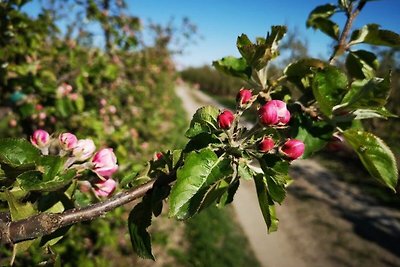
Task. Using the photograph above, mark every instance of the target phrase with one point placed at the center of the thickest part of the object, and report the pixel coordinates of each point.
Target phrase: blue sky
(219, 22)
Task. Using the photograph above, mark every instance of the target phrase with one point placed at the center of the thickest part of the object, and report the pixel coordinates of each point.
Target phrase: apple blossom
(274, 112)
(105, 188)
(67, 141)
(105, 162)
(40, 138)
(83, 149)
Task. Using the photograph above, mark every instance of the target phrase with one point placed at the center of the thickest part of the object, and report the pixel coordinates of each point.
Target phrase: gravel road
(323, 221)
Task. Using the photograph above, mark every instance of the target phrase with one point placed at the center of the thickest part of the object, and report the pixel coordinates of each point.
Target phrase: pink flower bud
(38, 107)
(12, 123)
(105, 188)
(105, 162)
(243, 96)
(67, 141)
(225, 119)
(274, 112)
(266, 144)
(40, 138)
(83, 149)
(292, 149)
(73, 96)
(42, 116)
(112, 109)
(159, 155)
(103, 102)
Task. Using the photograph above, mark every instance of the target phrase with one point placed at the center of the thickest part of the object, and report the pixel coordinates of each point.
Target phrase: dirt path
(323, 221)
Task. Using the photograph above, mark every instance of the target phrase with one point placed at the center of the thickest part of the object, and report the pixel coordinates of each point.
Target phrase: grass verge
(215, 240)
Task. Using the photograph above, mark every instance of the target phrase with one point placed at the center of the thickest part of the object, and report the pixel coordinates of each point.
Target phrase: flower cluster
(81, 155)
(273, 113)
(65, 90)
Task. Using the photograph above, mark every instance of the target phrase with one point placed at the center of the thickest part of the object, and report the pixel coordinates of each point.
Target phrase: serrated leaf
(361, 64)
(329, 86)
(17, 152)
(368, 94)
(258, 54)
(375, 155)
(233, 66)
(267, 206)
(203, 121)
(34, 181)
(50, 166)
(371, 34)
(200, 169)
(244, 171)
(139, 220)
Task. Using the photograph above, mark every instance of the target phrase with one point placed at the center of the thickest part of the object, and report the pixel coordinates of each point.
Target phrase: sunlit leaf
(375, 155)
(201, 168)
(371, 34)
(329, 86)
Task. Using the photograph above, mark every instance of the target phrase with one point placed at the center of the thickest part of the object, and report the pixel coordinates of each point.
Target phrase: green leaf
(158, 194)
(327, 26)
(375, 155)
(367, 113)
(323, 11)
(50, 166)
(17, 152)
(200, 169)
(368, 94)
(203, 121)
(34, 181)
(139, 220)
(361, 64)
(244, 171)
(228, 195)
(382, 112)
(329, 86)
(233, 66)
(259, 54)
(300, 72)
(267, 206)
(276, 176)
(314, 134)
(273, 37)
(319, 19)
(371, 34)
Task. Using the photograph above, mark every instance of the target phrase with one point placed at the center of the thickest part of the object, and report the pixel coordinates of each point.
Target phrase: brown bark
(46, 223)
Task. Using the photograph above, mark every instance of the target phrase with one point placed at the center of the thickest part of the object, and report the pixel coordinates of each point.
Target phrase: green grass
(215, 240)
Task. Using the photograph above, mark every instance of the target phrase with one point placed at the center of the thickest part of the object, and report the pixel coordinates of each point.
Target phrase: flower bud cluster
(273, 114)
(65, 90)
(81, 155)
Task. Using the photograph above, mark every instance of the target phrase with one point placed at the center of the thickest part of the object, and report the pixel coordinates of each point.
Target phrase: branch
(46, 223)
(342, 44)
